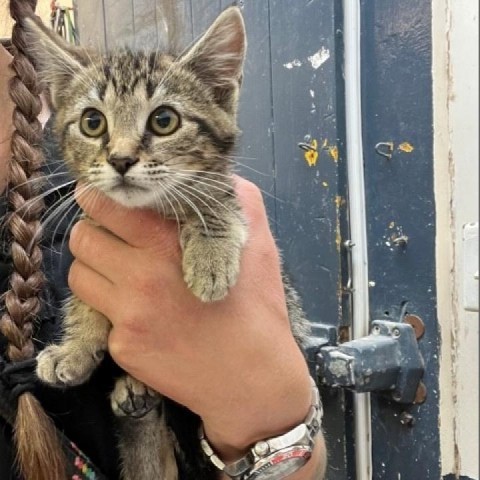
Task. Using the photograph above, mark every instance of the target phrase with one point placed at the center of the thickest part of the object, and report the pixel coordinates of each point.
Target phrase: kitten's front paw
(63, 365)
(132, 398)
(209, 275)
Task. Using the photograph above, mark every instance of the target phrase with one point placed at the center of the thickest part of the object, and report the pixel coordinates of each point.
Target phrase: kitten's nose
(122, 164)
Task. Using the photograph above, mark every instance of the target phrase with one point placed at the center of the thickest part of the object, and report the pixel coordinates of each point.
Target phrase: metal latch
(388, 360)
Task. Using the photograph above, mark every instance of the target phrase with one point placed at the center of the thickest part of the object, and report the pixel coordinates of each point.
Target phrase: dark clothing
(83, 413)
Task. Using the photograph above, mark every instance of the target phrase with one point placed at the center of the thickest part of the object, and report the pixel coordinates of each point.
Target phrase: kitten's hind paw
(132, 398)
(63, 365)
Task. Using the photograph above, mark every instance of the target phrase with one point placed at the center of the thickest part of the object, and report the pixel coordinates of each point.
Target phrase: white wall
(455, 40)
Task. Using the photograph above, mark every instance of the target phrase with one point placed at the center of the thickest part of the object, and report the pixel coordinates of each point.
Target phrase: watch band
(298, 442)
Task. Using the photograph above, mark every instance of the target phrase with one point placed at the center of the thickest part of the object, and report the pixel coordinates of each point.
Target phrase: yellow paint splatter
(325, 184)
(333, 151)
(406, 147)
(311, 156)
(339, 201)
(338, 239)
(325, 143)
(338, 234)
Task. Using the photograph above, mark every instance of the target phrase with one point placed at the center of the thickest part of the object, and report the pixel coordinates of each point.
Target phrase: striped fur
(185, 175)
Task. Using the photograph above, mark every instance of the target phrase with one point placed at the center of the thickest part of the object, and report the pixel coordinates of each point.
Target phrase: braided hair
(39, 455)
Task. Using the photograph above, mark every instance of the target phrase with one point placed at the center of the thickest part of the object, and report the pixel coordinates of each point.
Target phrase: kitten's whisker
(75, 217)
(174, 211)
(268, 194)
(211, 183)
(188, 189)
(192, 205)
(187, 174)
(53, 208)
(208, 197)
(167, 192)
(56, 209)
(160, 206)
(61, 209)
(33, 201)
(248, 167)
(206, 172)
(229, 176)
(243, 158)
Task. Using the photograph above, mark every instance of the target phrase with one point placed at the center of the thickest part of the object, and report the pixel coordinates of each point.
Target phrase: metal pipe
(358, 223)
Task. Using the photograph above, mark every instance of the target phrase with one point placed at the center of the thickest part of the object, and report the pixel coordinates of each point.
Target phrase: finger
(251, 201)
(137, 227)
(92, 288)
(98, 249)
(260, 238)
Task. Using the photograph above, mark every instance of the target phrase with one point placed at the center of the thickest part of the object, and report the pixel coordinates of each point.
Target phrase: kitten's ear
(56, 61)
(218, 57)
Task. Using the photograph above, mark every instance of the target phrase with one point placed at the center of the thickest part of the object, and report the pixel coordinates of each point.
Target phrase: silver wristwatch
(277, 457)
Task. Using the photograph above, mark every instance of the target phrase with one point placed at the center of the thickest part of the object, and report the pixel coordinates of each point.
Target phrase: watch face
(281, 464)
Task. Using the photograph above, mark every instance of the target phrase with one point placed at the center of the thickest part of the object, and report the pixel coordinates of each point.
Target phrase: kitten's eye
(93, 123)
(164, 121)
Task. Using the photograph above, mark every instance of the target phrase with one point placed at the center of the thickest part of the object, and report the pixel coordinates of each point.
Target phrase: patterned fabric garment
(80, 466)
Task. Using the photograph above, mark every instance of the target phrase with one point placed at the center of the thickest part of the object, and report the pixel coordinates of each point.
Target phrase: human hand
(234, 362)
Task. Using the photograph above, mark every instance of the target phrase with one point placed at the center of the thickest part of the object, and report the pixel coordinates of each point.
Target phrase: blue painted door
(398, 110)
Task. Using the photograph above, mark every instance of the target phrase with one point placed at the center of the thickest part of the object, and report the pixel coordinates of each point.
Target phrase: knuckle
(118, 347)
(124, 339)
(252, 192)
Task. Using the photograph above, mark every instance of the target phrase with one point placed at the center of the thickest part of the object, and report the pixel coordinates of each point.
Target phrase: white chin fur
(133, 198)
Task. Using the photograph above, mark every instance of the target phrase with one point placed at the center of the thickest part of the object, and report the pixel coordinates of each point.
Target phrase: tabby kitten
(150, 130)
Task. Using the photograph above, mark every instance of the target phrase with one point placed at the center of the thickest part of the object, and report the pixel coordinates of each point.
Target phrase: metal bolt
(400, 241)
(417, 323)
(396, 396)
(407, 419)
(421, 394)
(396, 332)
(376, 330)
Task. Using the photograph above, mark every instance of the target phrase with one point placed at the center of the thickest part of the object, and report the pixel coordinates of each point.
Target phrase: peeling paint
(339, 201)
(311, 156)
(319, 58)
(316, 61)
(333, 151)
(338, 235)
(406, 147)
(294, 63)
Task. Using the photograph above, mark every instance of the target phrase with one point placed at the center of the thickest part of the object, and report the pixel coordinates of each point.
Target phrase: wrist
(283, 456)
(266, 419)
